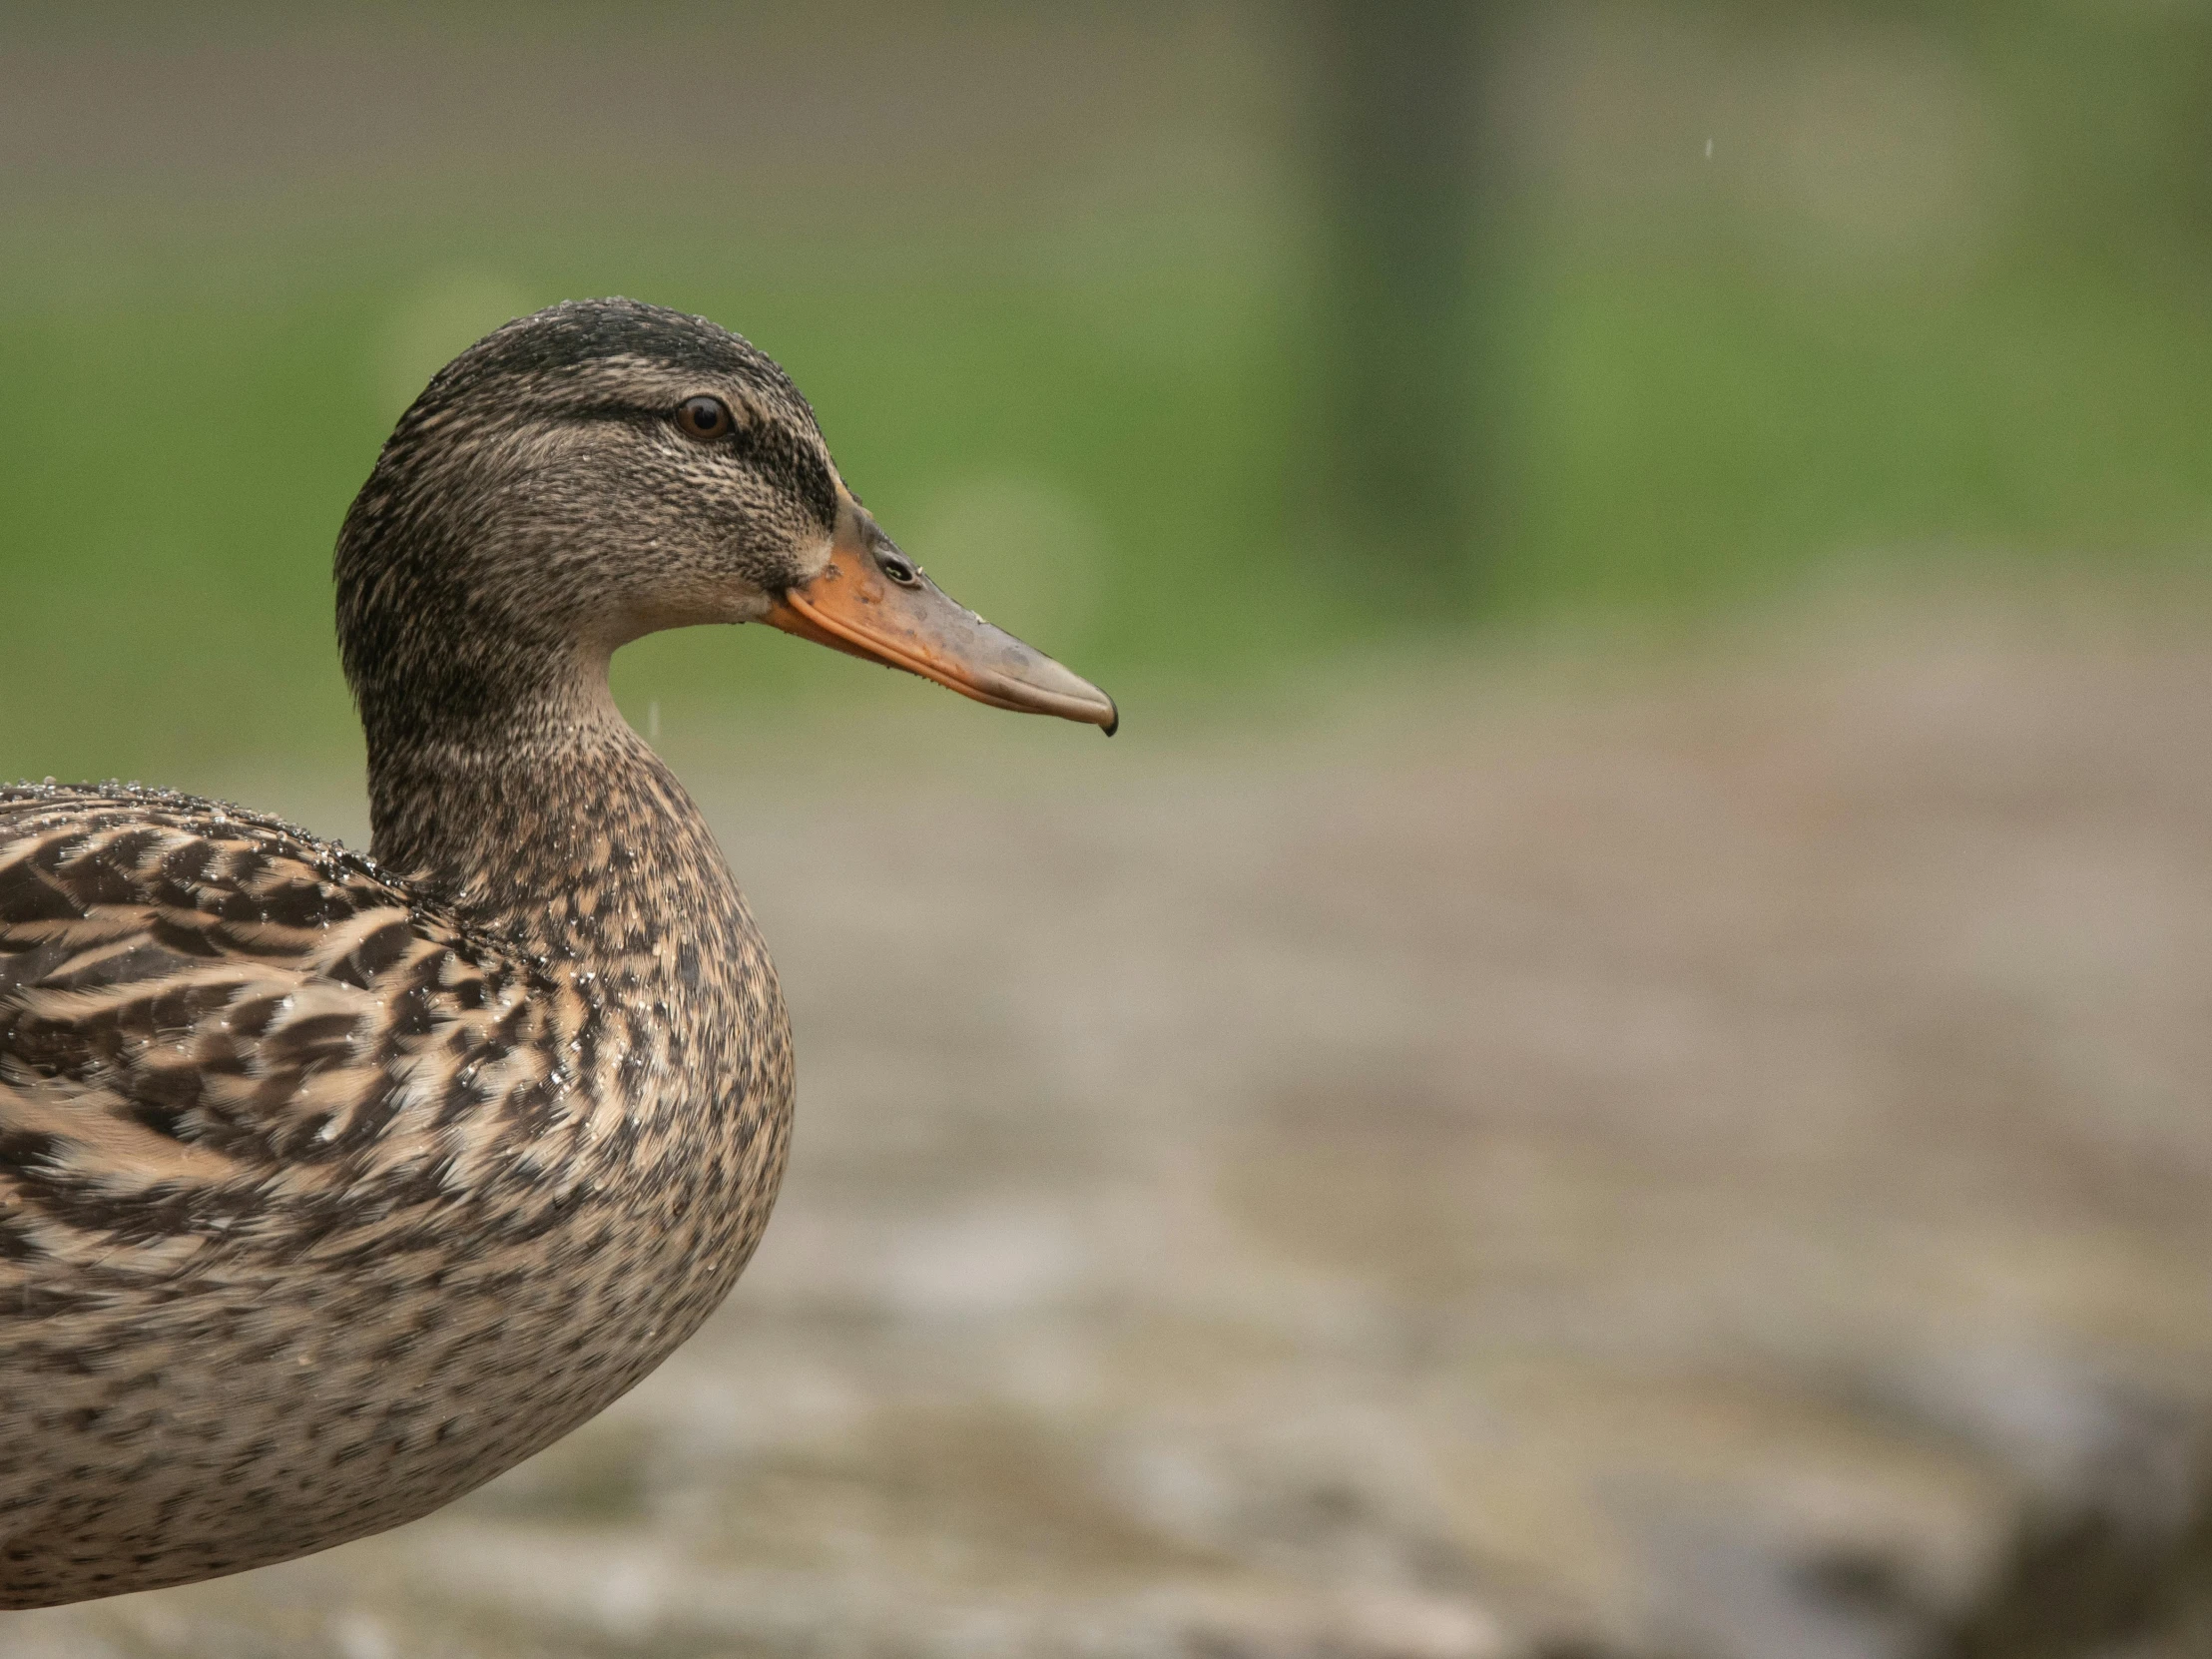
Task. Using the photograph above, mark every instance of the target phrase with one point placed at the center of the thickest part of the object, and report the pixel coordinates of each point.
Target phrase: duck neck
(553, 826)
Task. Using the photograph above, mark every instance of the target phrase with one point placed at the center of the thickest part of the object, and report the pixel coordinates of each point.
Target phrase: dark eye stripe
(768, 444)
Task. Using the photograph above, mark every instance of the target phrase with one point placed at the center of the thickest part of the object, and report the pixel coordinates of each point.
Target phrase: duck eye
(897, 568)
(705, 417)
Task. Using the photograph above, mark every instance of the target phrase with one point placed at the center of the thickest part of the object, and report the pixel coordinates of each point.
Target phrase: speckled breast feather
(320, 1204)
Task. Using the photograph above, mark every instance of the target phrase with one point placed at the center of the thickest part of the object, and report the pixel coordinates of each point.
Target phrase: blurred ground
(1673, 1159)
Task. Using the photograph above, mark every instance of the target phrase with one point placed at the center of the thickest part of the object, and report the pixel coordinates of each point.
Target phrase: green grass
(1680, 429)
(1693, 433)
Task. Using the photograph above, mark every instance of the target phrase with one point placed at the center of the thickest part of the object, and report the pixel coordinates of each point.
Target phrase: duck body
(331, 1186)
(325, 1197)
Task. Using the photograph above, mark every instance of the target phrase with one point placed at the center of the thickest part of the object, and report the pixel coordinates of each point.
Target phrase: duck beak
(915, 625)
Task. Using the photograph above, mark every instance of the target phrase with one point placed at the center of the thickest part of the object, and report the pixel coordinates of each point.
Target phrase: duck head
(602, 470)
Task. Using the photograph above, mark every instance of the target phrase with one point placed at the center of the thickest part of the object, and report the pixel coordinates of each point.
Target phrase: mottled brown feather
(277, 1132)
(331, 1188)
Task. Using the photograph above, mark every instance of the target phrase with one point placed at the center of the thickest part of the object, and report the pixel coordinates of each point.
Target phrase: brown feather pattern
(275, 1133)
(331, 1186)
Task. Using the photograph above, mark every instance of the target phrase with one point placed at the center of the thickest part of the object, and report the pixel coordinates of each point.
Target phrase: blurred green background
(1751, 294)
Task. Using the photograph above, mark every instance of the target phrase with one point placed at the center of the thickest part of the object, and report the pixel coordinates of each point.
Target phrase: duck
(332, 1184)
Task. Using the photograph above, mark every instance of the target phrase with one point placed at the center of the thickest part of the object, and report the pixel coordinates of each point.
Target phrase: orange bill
(874, 602)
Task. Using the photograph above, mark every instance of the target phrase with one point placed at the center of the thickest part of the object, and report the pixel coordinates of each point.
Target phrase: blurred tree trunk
(1401, 438)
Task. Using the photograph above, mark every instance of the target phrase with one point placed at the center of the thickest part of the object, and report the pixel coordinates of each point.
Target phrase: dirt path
(1720, 1168)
